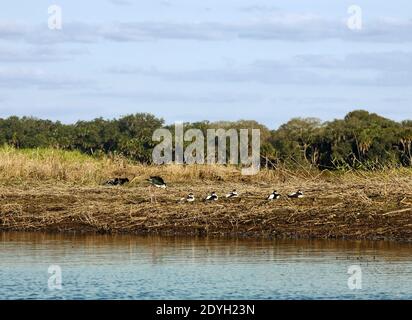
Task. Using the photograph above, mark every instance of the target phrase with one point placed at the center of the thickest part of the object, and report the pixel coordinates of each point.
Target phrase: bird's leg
(151, 194)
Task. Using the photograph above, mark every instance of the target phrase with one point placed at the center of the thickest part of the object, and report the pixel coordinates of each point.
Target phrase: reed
(74, 167)
(54, 190)
(31, 165)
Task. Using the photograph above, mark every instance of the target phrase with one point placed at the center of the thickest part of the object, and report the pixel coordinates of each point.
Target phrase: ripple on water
(131, 267)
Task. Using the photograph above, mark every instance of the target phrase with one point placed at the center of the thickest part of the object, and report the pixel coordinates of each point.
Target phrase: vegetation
(55, 190)
(47, 165)
(361, 140)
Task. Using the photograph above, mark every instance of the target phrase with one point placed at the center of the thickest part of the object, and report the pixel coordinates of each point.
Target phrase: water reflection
(151, 267)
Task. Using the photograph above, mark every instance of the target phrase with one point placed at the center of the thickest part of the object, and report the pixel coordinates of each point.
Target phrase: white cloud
(179, 97)
(24, 77)
(259, 8)
(121, 2)
(285, 27)
(362, 69)
(36, 54)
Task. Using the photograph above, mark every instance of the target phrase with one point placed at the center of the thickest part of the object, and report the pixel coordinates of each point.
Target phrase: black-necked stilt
(212, 197)
(274, 196)
(189, 198)
(158, 182)
(232, 194)
(116, 181)
(297, 194)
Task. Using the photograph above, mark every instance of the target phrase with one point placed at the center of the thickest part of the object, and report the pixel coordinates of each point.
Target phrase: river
(56, 266)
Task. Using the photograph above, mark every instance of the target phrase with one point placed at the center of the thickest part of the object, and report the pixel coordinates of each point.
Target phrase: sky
(186, 60)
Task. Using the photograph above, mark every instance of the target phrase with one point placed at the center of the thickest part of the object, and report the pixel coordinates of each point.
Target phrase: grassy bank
(51, 190)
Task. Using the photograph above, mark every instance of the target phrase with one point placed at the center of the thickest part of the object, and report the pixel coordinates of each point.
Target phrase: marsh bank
(369, 210)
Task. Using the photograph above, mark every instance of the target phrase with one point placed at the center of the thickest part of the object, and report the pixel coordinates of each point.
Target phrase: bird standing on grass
(273, 196)
(158, 182)
(212, 197)
(189, 198)
(232, 194)
(298, 194)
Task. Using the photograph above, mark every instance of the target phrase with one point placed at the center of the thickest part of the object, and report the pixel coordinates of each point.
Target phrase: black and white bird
(212, 197)
(157, 182)
(189, 198)
(116, 182)
(297, 194)
(232, 194)
(273, 196)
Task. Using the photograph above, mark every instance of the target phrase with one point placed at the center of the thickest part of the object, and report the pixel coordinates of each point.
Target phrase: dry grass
(54, 166)
(44, 165)
(49, 190)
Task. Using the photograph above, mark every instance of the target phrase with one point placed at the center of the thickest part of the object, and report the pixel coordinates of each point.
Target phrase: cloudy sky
(187, 60)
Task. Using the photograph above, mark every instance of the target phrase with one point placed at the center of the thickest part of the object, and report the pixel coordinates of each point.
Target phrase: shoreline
(197, 235)
(332, 211)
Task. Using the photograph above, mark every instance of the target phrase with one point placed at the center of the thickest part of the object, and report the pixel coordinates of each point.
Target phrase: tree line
(360, 140)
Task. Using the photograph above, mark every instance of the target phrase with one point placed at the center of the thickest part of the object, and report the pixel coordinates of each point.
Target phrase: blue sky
(187, 60)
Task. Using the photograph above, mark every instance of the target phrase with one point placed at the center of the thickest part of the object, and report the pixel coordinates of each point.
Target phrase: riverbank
(331, 211)
(58, 191)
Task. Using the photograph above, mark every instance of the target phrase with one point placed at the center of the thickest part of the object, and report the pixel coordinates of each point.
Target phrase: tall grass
(54, 190)
(40, 165)
(50, 164)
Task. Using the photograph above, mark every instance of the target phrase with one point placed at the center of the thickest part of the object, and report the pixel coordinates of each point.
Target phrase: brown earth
(344, 209)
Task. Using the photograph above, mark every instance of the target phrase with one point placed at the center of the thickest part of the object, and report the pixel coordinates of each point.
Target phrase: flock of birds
(234, 194)
(158, 182)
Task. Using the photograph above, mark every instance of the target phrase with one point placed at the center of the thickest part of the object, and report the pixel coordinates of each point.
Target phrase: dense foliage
(360, 140)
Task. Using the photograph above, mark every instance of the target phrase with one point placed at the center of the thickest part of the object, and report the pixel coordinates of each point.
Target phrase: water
(131, 267)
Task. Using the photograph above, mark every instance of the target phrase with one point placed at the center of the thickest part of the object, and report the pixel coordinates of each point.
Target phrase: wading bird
(273, 196)
(298, 194)
(189, 198)
(158, 182)
(116, 182)
(212, 197)
(232, 194)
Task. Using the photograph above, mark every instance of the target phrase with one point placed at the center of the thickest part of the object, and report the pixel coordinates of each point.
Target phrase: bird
(189, 198)
(111, 182)
(232, 194)
(157, 182)
(212, 197)
(273, 196)
(116, 181)
(298, 194)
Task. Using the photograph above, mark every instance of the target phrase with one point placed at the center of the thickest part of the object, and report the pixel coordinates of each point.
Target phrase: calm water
(130, 267)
